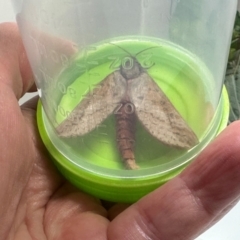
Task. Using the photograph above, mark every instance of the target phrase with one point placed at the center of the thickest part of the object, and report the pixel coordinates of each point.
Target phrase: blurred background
(226, 229)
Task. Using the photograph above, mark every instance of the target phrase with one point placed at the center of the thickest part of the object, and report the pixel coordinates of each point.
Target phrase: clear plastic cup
(130, 91)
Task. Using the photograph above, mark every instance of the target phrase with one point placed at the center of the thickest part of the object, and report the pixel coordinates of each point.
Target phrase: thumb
(191, 202)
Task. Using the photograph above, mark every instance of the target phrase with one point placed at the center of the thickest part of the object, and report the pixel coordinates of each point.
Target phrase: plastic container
(130, 91)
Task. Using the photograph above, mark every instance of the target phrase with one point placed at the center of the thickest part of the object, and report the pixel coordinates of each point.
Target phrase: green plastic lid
(119, 185)
(173, 116)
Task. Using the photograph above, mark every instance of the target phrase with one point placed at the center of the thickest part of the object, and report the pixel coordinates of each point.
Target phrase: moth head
(131, 68)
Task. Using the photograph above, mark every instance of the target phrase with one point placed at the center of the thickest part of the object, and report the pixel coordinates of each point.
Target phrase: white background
(227, 229)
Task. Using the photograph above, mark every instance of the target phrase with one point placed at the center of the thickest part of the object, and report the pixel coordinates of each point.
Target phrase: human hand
(37, 203)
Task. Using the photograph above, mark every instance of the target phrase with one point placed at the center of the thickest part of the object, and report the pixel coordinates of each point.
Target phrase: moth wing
(158, 115)
(95, 107)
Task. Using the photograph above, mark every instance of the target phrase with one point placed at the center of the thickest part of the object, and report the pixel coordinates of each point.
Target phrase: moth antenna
(122, 49)
(137, 53)
(130, 53)
(146, 49)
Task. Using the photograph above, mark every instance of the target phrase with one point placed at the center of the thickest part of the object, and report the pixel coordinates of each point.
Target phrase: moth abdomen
(125, 133)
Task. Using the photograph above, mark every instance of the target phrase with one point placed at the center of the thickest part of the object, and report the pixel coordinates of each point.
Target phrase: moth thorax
(131, 69)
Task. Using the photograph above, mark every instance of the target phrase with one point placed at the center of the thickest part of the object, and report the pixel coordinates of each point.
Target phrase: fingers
(116, 209)
(16, 143)
(74, 215)
(15, 71)
(190, 203)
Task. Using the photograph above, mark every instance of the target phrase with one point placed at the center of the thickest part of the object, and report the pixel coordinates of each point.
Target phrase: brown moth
(131, 95)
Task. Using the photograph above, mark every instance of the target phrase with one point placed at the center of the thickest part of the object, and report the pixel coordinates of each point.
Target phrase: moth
(131, 95)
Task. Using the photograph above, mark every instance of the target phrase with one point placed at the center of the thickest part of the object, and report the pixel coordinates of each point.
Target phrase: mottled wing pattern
(95, 107)
(158, 114)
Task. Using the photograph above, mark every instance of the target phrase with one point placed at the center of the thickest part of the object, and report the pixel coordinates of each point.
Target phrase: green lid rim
(116, 190)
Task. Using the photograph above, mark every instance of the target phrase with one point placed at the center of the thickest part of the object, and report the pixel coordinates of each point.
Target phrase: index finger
(15, 71)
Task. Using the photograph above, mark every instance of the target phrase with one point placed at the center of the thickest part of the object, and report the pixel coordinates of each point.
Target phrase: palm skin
(36, 203)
